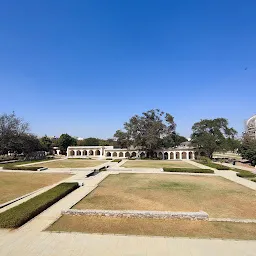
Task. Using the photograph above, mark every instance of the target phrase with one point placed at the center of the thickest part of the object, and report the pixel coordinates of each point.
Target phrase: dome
(251, 122)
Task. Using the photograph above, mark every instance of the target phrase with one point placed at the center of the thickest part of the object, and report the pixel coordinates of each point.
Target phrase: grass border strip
(188, 170)
(22, 213)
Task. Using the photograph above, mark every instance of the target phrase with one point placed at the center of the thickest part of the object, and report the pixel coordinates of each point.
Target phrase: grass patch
(154, 227)
(217, 196)
(22, 168)
(157, 164)
(71, 163)
(245, 174)
(20, 214)
(13, 185)
(166, 169)
(214, 165)
(116, 160)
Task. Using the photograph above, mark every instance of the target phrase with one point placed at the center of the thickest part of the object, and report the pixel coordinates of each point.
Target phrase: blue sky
(85, 67)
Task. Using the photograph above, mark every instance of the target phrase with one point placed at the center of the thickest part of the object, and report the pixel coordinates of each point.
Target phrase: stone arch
(97, 152)
(166, 155)
(72, 152)
(133, 154)
(121, 154)
(177, 155)
(184, 155)
(155, 154)
(127, 154)
(90, 153)
(108, 153)
(171, 155)
(160, 155)
(142, 155)
(78, 153)
(190, 155)
(84, 153)
(114, 154)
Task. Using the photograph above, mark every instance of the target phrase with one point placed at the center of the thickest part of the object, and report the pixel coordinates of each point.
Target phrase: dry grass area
(164, 192)
(13, 185)
(71, 163)
(155, 227)
(157, 164)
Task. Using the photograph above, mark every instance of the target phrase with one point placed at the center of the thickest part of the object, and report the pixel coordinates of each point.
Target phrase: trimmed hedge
(245, 174)
(117, 160)
(22, 168)
(216, 166)
(190, 170)
(20, 214)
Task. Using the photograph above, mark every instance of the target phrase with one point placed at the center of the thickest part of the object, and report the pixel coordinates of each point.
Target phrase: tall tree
(248, 149)
(212, 135)
(89, 142)
(46, 143)
(147, 131)
(65, 141)
(12, 128)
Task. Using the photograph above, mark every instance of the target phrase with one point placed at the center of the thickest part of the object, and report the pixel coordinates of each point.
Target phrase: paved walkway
(251, 169)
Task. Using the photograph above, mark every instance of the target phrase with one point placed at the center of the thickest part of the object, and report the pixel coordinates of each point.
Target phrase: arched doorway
(142, 155)
(108, 153)
(121, 154)
(78, 153)
(184, 155)
(177, 155)
(190, 155)
(114, 154)
(72, 152)
(160, 155)
(127, 154)
(97, 152)
(166, 156)
(133, 154)
(90, 153)
(171, 155)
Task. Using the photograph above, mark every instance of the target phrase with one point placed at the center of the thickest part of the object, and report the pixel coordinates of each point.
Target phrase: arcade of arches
(109, 151)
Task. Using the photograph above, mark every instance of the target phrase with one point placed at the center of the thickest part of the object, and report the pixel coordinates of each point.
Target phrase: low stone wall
(141, 214)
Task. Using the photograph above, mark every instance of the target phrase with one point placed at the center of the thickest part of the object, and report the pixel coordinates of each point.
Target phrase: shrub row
(117, 160)
(216, 166)
(20, 214)
(191, 170)
(245, 174)
(22, 168)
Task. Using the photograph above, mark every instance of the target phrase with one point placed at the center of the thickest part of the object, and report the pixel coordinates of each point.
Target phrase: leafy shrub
(22, 168)
(254, 179)
(20, 214)
(214, 165)
(191, 170)
(117, 160)
(245, 174)
(108, 158)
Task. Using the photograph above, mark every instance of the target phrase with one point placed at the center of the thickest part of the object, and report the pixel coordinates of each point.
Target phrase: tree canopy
(212, 135)
(147, 132)
(15, 136)
(248, 149)
(65, 141)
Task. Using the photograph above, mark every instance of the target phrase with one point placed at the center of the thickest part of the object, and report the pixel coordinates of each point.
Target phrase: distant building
(250, 127)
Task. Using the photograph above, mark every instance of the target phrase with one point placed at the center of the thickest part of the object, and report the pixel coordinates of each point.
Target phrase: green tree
(89, 142)
(122, 139)
(147, 131)
(65, 141)
(173, 140)
(46, 143)
(12, 129)
(248, 149)
(212, 135)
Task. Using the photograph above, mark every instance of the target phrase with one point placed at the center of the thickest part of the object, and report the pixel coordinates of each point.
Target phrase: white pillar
(187, 155)
(193, 155)
(174, 155)
(75, 152)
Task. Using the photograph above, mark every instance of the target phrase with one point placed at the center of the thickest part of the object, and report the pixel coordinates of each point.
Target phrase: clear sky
(85, 67)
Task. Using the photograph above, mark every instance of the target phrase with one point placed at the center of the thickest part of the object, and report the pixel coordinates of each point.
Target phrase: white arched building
(182, 152)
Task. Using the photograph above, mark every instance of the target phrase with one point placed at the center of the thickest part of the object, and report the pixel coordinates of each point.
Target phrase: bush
(108, 158)
(245, 174)
(254, 179)
(22, 168)
(20, 214)
(216, 166)
(117, 160)
(190, 170)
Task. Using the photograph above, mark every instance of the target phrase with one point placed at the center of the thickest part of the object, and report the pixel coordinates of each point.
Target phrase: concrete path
(251, 169)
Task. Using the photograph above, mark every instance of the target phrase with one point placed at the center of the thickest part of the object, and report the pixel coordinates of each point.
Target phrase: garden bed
(20, 214)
